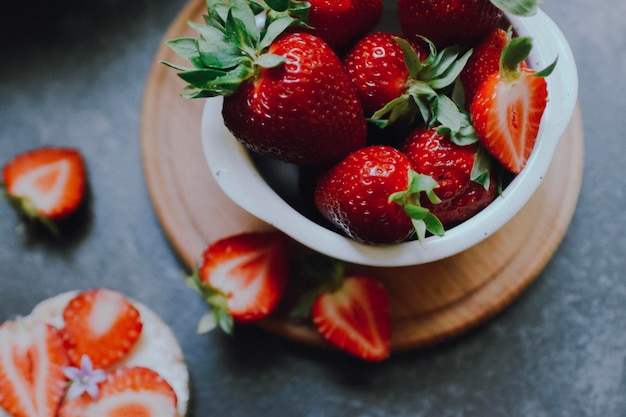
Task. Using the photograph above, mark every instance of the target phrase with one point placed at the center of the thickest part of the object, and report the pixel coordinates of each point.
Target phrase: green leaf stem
(426, 98)
(422, 218)
(517, 7)
(231, 46)
(481, 168)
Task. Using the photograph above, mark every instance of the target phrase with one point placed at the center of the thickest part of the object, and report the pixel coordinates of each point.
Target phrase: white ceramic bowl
(239, 177)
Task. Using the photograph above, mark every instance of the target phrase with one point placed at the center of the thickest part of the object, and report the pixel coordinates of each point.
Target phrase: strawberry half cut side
(46, 184)
(242, 278)
(508, 107)
(355, 318)
(32, 358)
(101, 324)
(350, 311)
(136, 392)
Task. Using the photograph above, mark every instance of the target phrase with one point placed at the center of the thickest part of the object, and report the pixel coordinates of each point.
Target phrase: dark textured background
(73, 73)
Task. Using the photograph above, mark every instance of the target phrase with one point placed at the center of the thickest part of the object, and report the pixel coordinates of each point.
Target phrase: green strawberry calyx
(517, 7)
(321, 274)
(27, 209)
(295, 8)
(232, 44)
(481, 169)
(515, 51)
(422, 218)
(428, 98)
(217, 314)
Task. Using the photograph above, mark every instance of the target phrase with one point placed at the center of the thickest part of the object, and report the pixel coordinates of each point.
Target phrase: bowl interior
(268, 189)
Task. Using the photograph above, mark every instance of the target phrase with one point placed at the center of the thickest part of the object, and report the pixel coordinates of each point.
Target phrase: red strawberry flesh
(250, 270)
(507, 117)
(32, 358)
(50, 181)
(355, 318)
(128, 392)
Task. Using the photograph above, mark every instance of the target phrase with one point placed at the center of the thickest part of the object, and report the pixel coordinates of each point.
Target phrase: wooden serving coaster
(429, 303)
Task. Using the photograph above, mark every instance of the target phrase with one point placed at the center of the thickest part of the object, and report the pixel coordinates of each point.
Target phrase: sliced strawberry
(243, 276)
(354, 316)
(101, 324)
(32, 358)
(46, 183)
(507, 109)
(128, 392)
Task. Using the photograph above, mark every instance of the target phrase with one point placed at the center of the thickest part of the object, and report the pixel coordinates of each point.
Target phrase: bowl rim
(232, 166)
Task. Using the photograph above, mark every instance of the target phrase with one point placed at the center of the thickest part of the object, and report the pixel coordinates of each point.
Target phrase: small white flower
(84, 379)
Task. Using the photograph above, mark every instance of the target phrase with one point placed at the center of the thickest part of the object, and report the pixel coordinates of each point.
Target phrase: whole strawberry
(340, 23)
(304, 111)
(378, 68)
(448, 22)
(507, 109)
(403, 83)
(466, 182)
(373, 196)
(463, 22)
(286, 94)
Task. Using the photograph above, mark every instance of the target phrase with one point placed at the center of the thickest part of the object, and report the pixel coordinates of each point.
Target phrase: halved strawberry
(136, 392)
(351, 311)
(355, 317)
(507, 109)
(242, 277)
(32, 358)
(46, 183)
(101, 324)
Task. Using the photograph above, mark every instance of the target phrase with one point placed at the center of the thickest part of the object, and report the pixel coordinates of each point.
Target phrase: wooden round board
(429, 303)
